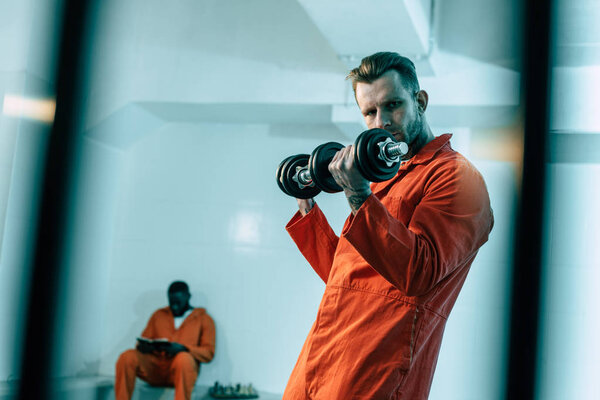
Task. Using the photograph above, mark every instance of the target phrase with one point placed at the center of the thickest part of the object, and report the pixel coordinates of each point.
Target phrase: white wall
(472, 360)
(575, 100)
(569, 351)
(86, 269)
(200, 203)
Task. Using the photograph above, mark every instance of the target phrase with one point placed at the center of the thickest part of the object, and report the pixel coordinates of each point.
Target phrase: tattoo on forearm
(307, 207)
(356, 200)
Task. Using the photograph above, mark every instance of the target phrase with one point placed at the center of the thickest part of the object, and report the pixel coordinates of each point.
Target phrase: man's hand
(345, 173)
(305, 205)
(172, 348)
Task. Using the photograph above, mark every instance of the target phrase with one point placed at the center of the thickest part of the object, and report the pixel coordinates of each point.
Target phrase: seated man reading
(176, 340)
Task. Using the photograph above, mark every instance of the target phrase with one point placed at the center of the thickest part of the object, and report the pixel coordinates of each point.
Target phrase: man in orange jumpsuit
(393, 275)
(190, 333)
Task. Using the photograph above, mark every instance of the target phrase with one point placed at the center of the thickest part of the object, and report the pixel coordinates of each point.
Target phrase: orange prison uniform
(392, 279)
(197, 333)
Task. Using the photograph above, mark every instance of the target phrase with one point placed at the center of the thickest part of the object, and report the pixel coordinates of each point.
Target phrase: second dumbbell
(303, 176)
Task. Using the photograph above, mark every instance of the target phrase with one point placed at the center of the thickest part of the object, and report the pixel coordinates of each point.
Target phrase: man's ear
(422, 101)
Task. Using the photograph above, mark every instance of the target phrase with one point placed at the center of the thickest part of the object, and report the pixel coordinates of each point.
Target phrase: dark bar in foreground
(522, 363)
(50, 243)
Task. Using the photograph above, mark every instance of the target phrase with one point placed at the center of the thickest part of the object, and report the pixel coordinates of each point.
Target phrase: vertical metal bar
(49, 243)
(521, 374)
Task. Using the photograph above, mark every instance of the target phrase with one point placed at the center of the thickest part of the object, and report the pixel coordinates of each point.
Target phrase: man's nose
(382, 121)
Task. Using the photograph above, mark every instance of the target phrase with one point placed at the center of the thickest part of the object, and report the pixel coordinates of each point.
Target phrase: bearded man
(394, 273)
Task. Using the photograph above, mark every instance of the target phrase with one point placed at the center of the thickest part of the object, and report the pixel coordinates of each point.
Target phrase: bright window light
(31, 108)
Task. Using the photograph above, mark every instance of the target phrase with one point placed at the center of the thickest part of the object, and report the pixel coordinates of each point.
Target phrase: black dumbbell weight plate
(285, 173)
(279, 175)
(366, 156)
(319, 163)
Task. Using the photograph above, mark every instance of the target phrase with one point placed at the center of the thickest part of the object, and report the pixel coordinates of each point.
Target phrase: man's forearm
(356, 199)
(305, 205)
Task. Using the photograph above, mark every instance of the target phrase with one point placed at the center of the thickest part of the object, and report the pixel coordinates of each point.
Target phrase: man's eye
(394, 104)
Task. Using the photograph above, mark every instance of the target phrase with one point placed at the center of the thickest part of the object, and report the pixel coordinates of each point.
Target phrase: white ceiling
(357, 28)
(272, 61)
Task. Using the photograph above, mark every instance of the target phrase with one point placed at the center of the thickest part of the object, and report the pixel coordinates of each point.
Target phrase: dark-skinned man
(187, 338)
(394, 273)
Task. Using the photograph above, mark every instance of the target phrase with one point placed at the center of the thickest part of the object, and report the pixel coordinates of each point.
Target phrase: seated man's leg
(184, 371)
(132, 363)
(125, 372)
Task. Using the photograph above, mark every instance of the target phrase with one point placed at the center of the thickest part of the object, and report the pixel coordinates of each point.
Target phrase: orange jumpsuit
(392, 278)
(197, 333)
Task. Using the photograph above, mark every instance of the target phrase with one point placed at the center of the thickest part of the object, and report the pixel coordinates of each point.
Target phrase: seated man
(189, 339)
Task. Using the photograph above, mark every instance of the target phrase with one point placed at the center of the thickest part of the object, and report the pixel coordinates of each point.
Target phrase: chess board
(238, 391)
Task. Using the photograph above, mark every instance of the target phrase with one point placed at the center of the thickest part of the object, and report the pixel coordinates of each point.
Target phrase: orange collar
(423, 156)
(430, 149)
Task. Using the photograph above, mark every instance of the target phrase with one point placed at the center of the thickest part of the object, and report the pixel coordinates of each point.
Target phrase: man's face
(179, 302)
(387, 104)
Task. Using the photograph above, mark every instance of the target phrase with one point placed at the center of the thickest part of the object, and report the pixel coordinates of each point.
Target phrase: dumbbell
(376, 155)
(304, 176)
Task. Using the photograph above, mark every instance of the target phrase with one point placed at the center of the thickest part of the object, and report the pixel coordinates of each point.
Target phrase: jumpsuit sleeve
(449, 224)
(205, 350)
(315, 240)
(150, 330)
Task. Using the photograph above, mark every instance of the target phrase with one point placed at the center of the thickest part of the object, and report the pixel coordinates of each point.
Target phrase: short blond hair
(375, 65)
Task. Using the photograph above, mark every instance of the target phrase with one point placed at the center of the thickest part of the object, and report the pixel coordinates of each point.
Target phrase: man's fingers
(333, 163)
(335, 159)
(338, 159)
(348, 156)
(342, 161)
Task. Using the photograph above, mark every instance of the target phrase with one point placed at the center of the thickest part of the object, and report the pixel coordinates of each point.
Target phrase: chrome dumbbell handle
(391, 151)
(397, 149)
(302, 177)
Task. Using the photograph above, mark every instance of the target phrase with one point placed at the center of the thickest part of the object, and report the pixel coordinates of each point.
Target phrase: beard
(416, 137)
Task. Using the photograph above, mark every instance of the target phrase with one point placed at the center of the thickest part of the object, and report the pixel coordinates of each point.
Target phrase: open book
(155, 344)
